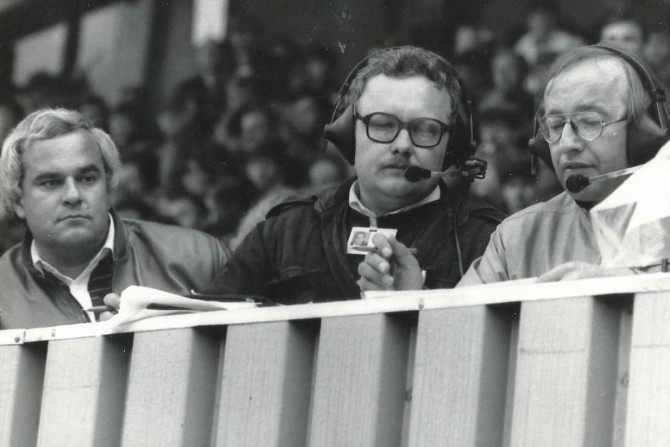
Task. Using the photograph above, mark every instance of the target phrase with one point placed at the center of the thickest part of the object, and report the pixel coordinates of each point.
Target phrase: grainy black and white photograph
(330, 223)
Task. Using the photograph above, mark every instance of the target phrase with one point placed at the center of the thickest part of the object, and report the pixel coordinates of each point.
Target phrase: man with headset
(402, 108)
(594, 119)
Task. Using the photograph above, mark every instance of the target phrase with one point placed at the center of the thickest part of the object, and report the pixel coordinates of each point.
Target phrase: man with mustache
(404, 107)
(57, 175)
(601, 112)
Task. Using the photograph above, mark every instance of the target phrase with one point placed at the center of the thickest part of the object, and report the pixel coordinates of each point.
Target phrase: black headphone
(341, 131)
(645, 137)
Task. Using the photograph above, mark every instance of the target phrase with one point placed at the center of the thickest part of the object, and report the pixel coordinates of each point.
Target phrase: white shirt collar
(356, 204)
(41, 265)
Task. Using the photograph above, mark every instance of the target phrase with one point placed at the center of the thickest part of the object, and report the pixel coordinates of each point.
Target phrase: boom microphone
(472, 168)
(577, 183)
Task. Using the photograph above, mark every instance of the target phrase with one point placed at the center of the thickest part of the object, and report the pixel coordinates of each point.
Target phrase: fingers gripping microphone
(472, 168)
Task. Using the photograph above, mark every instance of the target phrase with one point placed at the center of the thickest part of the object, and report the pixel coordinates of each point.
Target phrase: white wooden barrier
(581, 363)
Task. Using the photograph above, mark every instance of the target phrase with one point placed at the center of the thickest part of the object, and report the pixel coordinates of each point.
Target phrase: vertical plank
(21, 378)
(566, 373)
(623, 374)
(460, 377)
(83, 395)
(360, 381)
(171, 388)
(511, 377)
(648, 409)
(266, 387)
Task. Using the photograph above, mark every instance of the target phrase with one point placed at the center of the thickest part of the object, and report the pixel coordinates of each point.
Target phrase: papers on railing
(632, 225)
(138, 303)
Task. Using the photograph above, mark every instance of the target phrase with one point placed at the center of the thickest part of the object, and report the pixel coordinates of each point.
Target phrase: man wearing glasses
(593, 104)
(591, 115)
(404, 108)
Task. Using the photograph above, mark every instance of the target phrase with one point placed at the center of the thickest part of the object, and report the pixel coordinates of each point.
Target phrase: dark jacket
(298, 254)
(147, 254)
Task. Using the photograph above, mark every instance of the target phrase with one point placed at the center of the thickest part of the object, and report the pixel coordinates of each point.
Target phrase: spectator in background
(657, 53)
(509, 183)
(128, 131)
(42, 90)
(11, 113)
(95, 110)
(314, 75)
(269, 175)
(474, 69)
(537, 75)
(623, 32)
(184, 209)
(207, 87)
(304, 118)
(543, 37)
(657, 49)
(246, 35)
(509, 70)
(326, 171)
(472, 37)
(228, 202)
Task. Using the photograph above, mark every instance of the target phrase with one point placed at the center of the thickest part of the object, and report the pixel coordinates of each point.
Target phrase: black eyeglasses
(588, 125)
(384, 128)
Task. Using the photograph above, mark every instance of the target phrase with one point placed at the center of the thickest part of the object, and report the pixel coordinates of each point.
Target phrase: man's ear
(18, 208)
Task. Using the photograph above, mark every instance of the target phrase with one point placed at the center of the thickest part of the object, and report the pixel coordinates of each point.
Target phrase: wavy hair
(406, 61)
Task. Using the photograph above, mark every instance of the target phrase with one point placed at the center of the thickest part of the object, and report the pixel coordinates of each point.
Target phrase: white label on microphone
(360, 239)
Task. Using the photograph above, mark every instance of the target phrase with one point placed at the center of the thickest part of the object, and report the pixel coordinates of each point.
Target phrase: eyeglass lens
(588, 126)
(384, 128)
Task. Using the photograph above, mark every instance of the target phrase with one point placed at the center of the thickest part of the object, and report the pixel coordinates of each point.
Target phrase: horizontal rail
(490, 294)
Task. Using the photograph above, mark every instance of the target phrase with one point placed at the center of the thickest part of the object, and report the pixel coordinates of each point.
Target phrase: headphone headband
(340, 131)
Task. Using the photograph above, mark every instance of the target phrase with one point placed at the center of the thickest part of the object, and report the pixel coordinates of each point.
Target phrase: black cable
(457, 241)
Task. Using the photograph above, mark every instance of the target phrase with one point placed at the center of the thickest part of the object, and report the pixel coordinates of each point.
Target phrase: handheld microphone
(472, 168)
(577, 183)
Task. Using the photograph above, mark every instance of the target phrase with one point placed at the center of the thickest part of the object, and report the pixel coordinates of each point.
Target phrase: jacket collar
(120, 238)
(450, 198)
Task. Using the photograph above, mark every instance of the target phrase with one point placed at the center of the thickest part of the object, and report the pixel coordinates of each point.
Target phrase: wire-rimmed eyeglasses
(587, 125)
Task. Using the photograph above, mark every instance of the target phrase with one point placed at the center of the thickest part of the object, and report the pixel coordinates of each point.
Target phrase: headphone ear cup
(459, 148)
(341, 134)
(540, 148)
(643, 140)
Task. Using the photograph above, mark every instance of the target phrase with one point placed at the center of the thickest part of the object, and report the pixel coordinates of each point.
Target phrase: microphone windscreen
(415, 174)
(576, 183)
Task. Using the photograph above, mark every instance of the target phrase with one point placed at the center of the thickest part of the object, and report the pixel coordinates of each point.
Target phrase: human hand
(113, 301)
(582, 270)
(392, 266)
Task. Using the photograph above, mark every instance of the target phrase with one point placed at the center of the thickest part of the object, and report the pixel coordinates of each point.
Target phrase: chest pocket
(298, 285)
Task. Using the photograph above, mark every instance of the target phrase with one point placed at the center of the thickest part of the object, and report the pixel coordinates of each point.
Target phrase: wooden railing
(582, 363)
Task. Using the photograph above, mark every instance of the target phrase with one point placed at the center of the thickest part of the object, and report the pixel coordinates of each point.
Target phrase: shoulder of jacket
(480, 208)
(160, 231)
(289, 205)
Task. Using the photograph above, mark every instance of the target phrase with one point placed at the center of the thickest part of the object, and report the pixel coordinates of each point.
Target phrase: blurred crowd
(245, 132)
